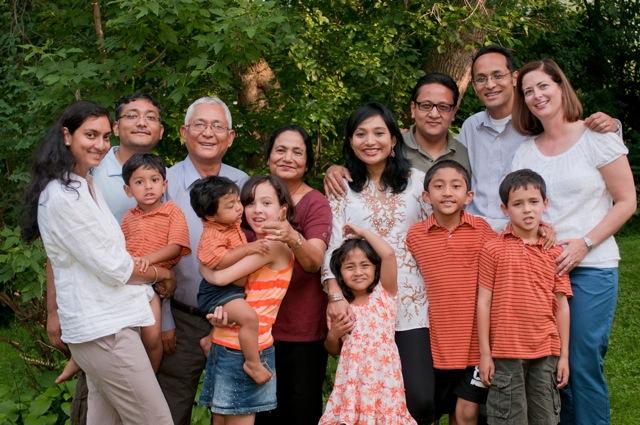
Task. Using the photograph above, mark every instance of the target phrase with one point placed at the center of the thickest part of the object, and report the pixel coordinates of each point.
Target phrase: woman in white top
(385, 197)
(100, 302)
(591, 195)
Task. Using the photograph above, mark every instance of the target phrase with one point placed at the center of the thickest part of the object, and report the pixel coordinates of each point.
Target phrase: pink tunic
(368, 386)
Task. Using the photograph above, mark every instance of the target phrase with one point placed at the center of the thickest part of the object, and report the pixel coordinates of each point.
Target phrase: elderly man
(207, 132)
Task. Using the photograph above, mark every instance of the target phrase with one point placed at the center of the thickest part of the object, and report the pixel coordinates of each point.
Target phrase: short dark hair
(397, 169)
(248, 193)
(447, 163)
(338, 256)
(305, 137)
(146, 160)
(121, 102)
(522, 179)
(206, 193)
(494, 48)
(436, 78)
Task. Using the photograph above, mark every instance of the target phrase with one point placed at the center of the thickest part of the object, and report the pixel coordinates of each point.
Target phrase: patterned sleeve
(486, 267)
(317, 218)
(338, 206)
(178, 230)
(561, 284)
(211, 248)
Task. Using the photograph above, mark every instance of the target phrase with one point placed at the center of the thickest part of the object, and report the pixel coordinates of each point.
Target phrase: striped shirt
(217, 239)
(524, 282)
(448, 262)
(265, 290)
(147, 232)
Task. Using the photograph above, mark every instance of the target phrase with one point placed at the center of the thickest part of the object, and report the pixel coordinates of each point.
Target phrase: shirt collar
(163, 209)
(112, 166)
(485, 121)
(465, 218)
(410, 140)
(222, 227)
(509, 233)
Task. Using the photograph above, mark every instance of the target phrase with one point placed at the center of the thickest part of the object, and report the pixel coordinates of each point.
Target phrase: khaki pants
(122, 386)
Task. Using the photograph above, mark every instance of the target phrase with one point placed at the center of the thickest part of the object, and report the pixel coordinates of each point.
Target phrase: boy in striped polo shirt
(523, 313)
(446, 247)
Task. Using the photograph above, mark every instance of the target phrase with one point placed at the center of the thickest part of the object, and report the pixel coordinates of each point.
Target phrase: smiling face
(288, 157)
(264, 207)
(229, 209)
(147, 186)
(447, 193)
(139, 127)
(542, 95)
(525, 208)
(372, 142)
(357, 271)
(433, 124)
(89, 143)
(497, 92)
(207, 145)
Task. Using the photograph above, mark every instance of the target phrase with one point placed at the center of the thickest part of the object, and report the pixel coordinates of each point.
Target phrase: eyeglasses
(428, 107)
(483, 79)
(134, 116)
(200, 127)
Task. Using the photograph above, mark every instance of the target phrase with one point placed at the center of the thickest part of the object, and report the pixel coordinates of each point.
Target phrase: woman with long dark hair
(101, 303)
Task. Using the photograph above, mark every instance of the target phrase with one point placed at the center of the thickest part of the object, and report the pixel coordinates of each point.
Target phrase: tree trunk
(256, 79)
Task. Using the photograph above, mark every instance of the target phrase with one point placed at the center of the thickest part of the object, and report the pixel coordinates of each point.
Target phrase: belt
(194, 311)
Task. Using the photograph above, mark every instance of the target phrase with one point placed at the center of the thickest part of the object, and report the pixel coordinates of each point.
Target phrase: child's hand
(142, 263)
(352, 230)
(562, 374)
(261, 246)
(487, 369)
(341, 327)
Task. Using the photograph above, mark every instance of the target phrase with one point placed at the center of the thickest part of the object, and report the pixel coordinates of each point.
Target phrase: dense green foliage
(326, 56)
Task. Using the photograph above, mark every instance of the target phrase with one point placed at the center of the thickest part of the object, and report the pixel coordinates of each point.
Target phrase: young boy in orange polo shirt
(446, 247)
(523, 313)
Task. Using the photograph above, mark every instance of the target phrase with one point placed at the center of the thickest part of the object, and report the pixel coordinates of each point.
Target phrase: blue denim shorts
(228, 390)
(211, 296)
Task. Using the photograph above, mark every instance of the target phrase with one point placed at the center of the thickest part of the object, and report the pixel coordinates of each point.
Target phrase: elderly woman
(592, 194)
(385, 196)
(300, 327)
(101, 303)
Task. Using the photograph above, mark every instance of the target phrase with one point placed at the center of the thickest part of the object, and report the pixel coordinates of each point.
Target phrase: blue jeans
(595, 294)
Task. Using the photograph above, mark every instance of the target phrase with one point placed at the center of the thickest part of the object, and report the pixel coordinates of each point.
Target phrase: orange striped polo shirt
(265, 290)
(523, 280)
(217, 239)
(146, 232)
(448, 262)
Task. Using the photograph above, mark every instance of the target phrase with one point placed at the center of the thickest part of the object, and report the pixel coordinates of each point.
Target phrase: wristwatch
(335, 296)
(588, 242)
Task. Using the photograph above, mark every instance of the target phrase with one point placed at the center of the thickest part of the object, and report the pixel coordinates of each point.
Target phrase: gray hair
(210, 101)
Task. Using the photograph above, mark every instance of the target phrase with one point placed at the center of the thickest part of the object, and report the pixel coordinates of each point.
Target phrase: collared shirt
(524, 284)
(147, 232)
(490, 154)
(180, 177)
(423, 161)
(451, 290)
(107, 176)
(217, 239)
(90, 264)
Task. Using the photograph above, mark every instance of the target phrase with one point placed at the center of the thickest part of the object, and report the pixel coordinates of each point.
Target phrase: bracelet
(335, 296)
(298, 243)
(155, 280)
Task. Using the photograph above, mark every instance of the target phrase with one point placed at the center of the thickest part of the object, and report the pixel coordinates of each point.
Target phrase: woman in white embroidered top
(385, 196)
(100, 302)
(591, 195)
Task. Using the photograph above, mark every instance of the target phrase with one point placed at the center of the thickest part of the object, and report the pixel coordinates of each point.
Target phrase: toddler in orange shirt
(523, 312)
(216, 200)
(446, 247)
(156, 234)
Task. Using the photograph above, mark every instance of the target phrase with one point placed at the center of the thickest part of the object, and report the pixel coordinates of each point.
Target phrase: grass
(622, 365)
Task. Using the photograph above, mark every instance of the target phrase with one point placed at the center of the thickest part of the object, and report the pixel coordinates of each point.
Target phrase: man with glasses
(489, 136)
(207, 133)
(434, 101)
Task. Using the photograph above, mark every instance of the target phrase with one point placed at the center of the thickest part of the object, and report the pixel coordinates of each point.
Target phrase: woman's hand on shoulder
(334, 181)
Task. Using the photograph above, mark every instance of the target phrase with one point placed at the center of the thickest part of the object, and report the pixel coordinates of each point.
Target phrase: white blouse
(90, 264)
(577, 193)
(390, 219)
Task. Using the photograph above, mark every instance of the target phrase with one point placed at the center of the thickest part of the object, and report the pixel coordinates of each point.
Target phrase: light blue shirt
(107, 176)
(490, 155)
(180, 177)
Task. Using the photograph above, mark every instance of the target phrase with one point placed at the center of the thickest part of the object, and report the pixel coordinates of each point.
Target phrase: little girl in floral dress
(368, 385)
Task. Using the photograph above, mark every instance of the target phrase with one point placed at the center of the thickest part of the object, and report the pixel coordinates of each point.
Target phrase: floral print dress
(368, 387)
